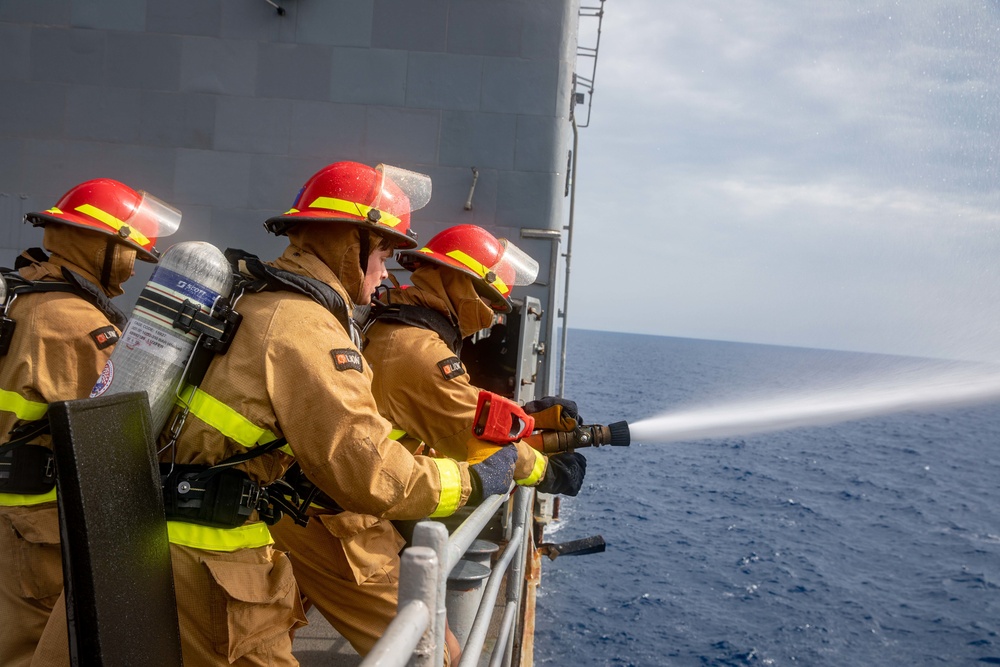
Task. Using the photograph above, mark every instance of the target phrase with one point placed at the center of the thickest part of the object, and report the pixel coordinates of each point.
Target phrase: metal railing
(416, 636)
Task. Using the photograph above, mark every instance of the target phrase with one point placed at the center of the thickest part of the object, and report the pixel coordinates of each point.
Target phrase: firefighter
(293, 388)
(347, 566)
(60, 327)
(460, 280)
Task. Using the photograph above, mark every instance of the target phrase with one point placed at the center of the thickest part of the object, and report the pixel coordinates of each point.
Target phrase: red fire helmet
(495, 264)
(134, 218)
(378, 198)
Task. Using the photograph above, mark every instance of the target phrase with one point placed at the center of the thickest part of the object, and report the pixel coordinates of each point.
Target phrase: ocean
(867, 542)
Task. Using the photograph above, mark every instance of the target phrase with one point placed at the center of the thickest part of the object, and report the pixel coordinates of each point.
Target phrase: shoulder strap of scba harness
(73, 283)
(260, 277)
(419, 316)
(252, 275)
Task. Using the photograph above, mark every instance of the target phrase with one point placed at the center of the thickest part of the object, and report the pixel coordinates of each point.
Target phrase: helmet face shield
(153, 218)
(416, 186)
(515, 267)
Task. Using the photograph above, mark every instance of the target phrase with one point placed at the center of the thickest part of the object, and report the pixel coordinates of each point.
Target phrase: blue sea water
(870, 542)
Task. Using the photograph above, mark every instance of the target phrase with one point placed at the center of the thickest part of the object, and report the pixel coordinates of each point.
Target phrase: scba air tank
(155, 347)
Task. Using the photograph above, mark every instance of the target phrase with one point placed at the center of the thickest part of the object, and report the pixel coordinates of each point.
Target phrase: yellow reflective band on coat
(537, 472)
(113, 222)
(354, 208)
(11, 401)
(21, 500)
(451, 487)
(397, 434)
(480, 269)
(195, 536)
(227, 421)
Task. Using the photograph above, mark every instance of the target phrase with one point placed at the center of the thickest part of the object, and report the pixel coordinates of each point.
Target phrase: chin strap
(109, 261)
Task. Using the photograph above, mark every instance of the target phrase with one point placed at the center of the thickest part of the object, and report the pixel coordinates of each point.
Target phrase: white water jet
(743, 418)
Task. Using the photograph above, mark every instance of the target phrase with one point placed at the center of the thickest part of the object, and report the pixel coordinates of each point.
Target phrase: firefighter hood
(339, 247)
(86, 253)
(453, 293)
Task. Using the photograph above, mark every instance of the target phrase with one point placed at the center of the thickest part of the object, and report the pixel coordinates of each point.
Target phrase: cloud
(817, 175)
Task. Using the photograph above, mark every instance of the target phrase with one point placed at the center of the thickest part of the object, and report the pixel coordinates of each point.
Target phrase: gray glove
(493, 475)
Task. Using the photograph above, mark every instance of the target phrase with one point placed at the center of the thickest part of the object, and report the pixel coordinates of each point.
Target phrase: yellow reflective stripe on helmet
(537, 472)
(11, 401)
(397, 434)
(227, 421)
(345, 206)
(478, 268)
(19, 500)
(451, 487)
(219, 539)
(113, 222)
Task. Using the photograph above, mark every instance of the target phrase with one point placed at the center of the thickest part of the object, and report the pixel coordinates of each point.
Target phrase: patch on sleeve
(346, 359)
(451, 367)
(104, 337)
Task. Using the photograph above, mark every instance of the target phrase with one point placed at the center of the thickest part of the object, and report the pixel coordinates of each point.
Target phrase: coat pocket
(254, 604)
(38, 555)
(369, 543)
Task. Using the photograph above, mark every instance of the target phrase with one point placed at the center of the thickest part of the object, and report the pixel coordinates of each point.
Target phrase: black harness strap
(423, 317)
(186, 316)
(260, 277)
(74, 284)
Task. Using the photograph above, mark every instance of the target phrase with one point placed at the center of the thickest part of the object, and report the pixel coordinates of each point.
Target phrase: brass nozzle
(585, 435)
(616, 435)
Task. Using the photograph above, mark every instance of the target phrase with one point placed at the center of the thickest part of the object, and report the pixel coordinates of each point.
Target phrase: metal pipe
(523, 503)
(477, 634)
(472, 189)
(569, 255)
(409, 637)
(467, 533)
(504, 637)
(434, 535)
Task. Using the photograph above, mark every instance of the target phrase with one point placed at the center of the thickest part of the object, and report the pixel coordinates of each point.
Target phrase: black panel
(116, 558)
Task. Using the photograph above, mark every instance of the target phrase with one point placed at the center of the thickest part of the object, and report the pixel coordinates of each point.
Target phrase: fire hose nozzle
(592, 435)
(616, 434)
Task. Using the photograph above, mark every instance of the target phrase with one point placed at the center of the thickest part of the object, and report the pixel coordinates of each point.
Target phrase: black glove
(554, 413)
(564, 474)
(493, 475)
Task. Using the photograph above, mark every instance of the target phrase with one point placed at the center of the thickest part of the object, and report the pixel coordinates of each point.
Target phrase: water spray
(942, 389)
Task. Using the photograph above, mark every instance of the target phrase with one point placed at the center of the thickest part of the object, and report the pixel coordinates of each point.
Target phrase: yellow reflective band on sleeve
(192, 535)
(536, 472)
(478, 268)
(451, 487)
(397, 434)
(227, 421)
(354, 208)
(20, 500)
(11, 401)
(113, 222)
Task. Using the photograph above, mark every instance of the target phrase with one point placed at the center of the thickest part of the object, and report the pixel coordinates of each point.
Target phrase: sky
(809, 174)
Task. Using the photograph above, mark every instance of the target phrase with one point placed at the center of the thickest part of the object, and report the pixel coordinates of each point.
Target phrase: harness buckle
(186, 315)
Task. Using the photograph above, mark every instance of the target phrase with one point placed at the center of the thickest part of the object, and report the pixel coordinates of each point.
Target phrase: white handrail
(477, 635)
(407, 635)
(416, 636)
